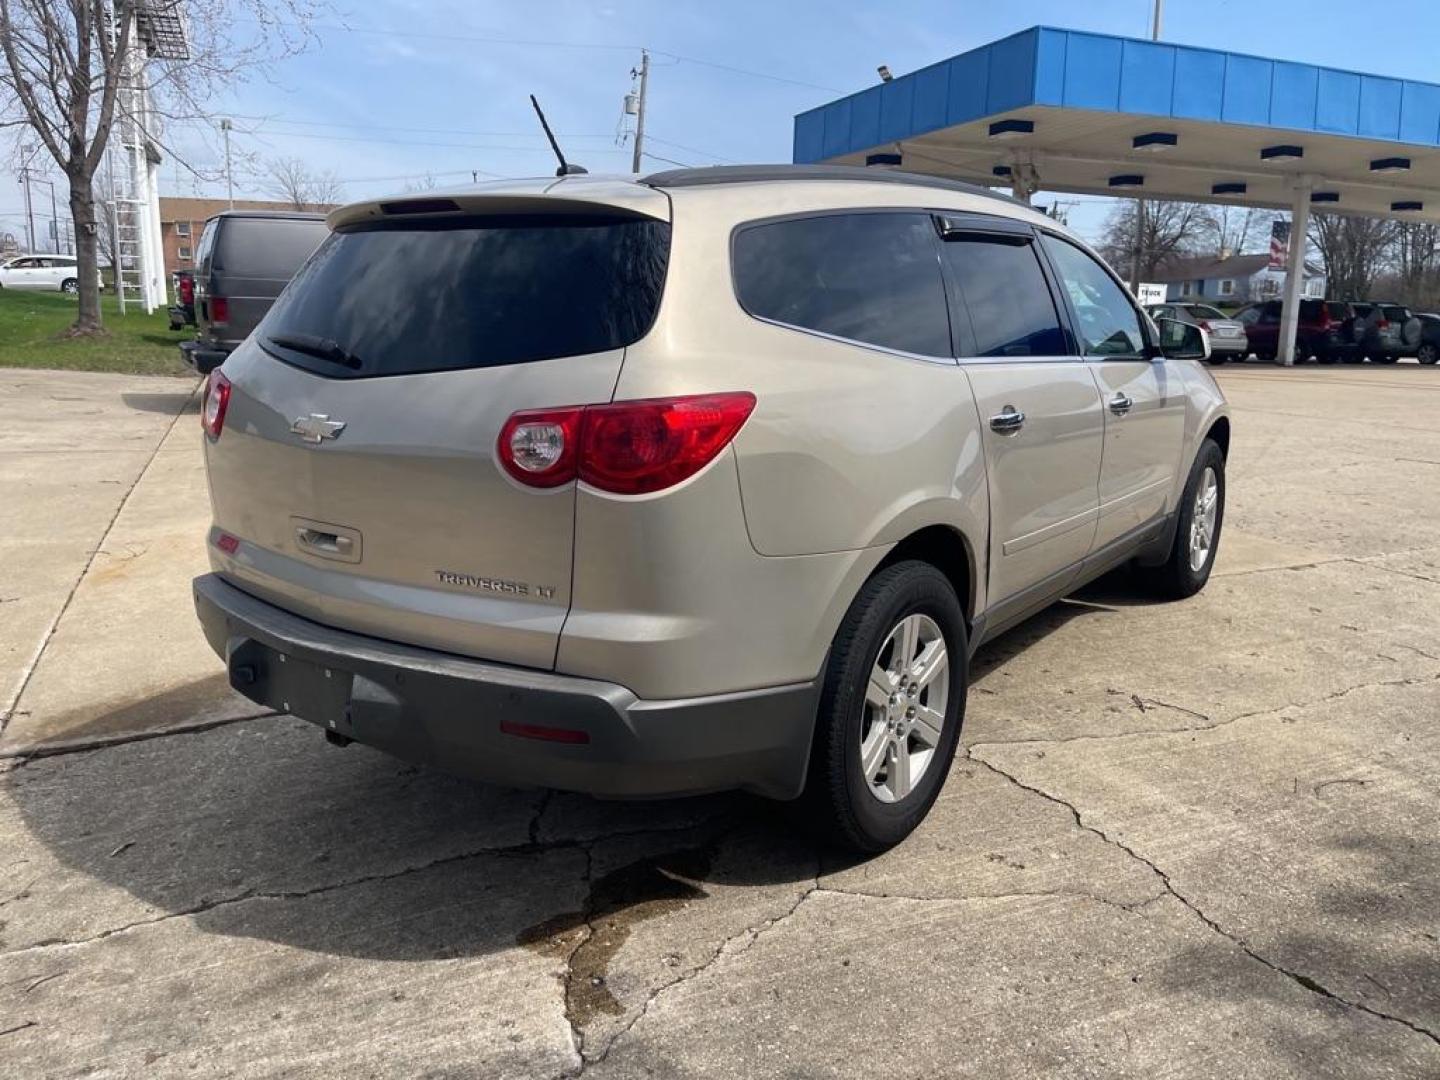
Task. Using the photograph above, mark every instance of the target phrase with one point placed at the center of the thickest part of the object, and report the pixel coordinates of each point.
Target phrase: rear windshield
(1395, 314)
(266, 247)
(1200, 311)
(391, 299)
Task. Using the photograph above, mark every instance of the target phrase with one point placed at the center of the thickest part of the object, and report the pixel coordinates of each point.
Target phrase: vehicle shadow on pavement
(260, 829)
(183, 400)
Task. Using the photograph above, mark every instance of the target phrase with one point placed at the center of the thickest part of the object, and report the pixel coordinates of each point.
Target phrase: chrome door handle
(323, 541)
(1120, 404)
(1008, 421)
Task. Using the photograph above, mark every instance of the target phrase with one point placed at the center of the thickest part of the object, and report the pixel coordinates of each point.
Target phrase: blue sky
(417, 87)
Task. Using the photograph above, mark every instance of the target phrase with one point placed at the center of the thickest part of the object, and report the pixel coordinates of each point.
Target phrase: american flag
(1279, 245)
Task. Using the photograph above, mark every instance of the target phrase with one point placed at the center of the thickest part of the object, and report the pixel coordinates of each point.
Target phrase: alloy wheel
(905, 707)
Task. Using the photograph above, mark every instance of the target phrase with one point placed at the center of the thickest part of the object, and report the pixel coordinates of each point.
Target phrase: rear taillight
(217, 400)
(1383, 324)
(539, 447)
(626, 447)
(219, 309)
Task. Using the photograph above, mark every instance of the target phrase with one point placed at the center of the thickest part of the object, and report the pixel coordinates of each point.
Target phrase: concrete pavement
(1190, 840)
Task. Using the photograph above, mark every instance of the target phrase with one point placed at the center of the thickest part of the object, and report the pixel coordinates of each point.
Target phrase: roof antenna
(565, 169)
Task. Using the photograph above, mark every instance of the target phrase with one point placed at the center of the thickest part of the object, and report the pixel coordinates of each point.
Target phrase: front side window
(1108, 323)
(872, 278)
(1011, 310)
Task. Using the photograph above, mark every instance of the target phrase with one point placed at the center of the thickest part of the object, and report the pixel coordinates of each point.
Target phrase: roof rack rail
(748, 174)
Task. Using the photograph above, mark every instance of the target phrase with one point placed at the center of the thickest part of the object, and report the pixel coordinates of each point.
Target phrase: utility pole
(644, 74)
(229, 175)
(29, 211)
(1158, 19)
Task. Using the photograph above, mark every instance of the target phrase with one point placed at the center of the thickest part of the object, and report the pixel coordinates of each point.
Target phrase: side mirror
(1182, 340)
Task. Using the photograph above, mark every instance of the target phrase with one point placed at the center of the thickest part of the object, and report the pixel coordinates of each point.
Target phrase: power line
(550, 44)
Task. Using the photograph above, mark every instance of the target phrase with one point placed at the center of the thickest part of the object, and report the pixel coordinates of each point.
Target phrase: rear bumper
(1229, 345)
(201, 357)
(448, 711)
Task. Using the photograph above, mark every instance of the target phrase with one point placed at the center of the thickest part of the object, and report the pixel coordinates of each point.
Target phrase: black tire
(1219, 359)
(1354, 358)
(1174, 579)
(840, 804)
(70, 285)
(1428, 353)
(1384, 359)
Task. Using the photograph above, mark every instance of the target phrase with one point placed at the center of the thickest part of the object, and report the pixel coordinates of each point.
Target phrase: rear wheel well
(945, 549)
(1220, 432)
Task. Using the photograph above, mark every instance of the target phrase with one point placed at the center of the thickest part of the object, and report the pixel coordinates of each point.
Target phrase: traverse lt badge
(317, 427)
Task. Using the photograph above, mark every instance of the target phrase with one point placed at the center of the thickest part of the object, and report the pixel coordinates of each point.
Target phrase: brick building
(182, 221)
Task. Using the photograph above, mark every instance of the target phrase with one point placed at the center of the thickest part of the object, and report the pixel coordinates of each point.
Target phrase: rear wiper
(318, 347)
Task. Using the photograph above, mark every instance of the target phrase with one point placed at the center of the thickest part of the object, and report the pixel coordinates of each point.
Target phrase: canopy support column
(1294, 275)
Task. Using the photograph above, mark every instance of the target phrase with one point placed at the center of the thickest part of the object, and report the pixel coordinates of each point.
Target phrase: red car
(1325, 331)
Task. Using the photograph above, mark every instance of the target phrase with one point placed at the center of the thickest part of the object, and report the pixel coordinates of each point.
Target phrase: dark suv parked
(1384, 332)
(245, 259)
(1325, 331)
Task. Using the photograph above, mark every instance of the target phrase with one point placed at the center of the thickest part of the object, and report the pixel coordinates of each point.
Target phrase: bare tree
(1353, 249)
(423, 183)
(1416, 253)
(62, 75)
(293, 181)
(1150, 237)
(1228, 230)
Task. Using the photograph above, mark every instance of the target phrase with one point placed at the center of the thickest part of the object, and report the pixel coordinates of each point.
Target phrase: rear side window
(1004, 289)
(873, 278)
(266, 247)
(399, 299)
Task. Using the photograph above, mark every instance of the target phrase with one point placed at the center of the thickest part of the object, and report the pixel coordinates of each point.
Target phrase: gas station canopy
(1100, 115)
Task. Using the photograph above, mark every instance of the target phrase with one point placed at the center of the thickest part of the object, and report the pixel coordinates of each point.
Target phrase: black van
(245, 259)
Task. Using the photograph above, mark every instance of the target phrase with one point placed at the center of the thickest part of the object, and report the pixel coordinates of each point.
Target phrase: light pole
(229, 175)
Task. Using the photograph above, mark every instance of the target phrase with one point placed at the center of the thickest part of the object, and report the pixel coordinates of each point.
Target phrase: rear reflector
(625, 447)
(217, 400)
(227, 543)
(547, 734)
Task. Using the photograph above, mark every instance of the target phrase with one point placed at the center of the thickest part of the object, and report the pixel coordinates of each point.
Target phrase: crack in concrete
(32, 753)
(749, 936)
(1299, 978)
(1068, 894)
(1392, 570)
(1211, 725)
(249, 895)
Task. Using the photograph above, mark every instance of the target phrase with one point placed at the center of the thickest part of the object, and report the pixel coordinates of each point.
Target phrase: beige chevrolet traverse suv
(712, 479)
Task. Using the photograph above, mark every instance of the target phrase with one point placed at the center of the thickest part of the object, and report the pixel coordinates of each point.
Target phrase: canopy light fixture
(1407, 206)
(1155, 140)
(1390, 164)
(1002, 171)
(1228, 188)
(1325, 196)
(1011, 129)
(1282, 153)
(1127, 180)
(883, 159)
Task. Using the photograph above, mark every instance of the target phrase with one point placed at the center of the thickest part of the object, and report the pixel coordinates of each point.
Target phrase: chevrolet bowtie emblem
(317, 427)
